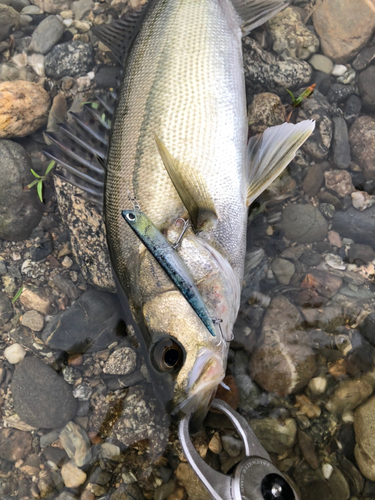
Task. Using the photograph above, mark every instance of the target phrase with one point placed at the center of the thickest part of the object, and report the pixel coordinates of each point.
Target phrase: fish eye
(167, 355)
(130, 216)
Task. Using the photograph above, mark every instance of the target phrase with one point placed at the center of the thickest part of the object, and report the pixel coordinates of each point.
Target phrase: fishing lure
(169, 260)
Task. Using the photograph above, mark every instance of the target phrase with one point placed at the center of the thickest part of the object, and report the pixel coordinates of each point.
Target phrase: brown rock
(364, 427)
(324, 283)
(14, 444)
(265, 111)
(232, 396)
(192, 484)
(344, 27)
(307, 447)
(33, 300)
(313, 180)
(362, 143)
(24, 108)
(307, 407)
(348, 395)
(283, 362)
(339, 181)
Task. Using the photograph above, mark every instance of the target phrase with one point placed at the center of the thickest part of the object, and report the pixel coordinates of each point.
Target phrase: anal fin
(269, 153)
(253, 13)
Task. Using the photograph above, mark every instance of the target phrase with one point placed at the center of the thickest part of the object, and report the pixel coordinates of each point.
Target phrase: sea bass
(179, 147)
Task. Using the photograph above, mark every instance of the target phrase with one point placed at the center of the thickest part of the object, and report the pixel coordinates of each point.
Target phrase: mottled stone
(121, 362)
(14, 444)
(304, 224)
(353, 108)
(344, 27)
(265, 111)
(282, 362)
(366, 88)
(339, 181)
(76, 443)
(348, 395)
(69, 59)
(24, 108)
(6, 309)
(275, 436)
(46, 35)
(362, 142)
(33, 320)
(364, 58)
(72, 475)
(364, 426)
(290, 35)
(193, 485)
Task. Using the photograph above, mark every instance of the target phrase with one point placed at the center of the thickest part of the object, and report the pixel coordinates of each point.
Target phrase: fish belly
(183, 81)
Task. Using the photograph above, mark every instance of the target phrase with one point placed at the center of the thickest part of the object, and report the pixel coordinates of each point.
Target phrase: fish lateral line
(171, 263)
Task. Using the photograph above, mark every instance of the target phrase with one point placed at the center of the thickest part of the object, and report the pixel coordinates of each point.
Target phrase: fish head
(186, 362)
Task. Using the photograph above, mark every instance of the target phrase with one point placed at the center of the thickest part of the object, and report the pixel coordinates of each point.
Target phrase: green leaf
(35, 174)
(18, 294)
(294, 100)
(103, 117)
(94, 105)
(39, 189)
(32, 184)
(49, 168)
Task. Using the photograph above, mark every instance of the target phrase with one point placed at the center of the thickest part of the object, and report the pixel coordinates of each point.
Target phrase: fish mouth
(207, 373)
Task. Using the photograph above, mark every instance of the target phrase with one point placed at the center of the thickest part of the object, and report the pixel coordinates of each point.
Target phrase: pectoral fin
(253, 13)
(269, 153)
(189, 185)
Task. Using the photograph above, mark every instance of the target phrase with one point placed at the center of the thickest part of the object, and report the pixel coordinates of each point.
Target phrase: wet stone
(121, 362)
(249, 392)
(6, 309)
(41, 397)
(364, 58)
(341, 148)
(321, 63)
(9, 19)
(348, 395)
(314, 179)
(193, 485)
(327, 210)
(46, 35)
(76, 443)
(283, 270)
(69, 59)
(72, 475)
(282, 362)
(33, 320)
(90, 324)
(322, 81)
(14, 444)
(362, 142)
(360, 254)
(310, 258)
(107, 77)
(339, 181)
(338, 93)
(275, 436)
(304, 224)
(358, 226)
(66, 286)
(353, 108)
(364, 425)
(14, 353)
(265, 111)
(366, 88)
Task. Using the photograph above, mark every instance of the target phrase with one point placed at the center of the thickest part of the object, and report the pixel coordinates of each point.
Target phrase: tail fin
(253, 13)
(269, 153)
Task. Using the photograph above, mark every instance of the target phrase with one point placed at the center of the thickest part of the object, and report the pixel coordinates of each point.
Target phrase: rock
(33, 320)
(76, 444)
(14, 444)
(249, 392)
(109, 450)
(318, 385)
(35, 301)
(334, 239)
(65, 286)
(364, 58)
(283, 270)
(307, 447)
(121, 362)
(353, 108)
(344, 27)
(304, 224)
(366, 88)
(90, 324)
(46, 35)
(310, 258)
(358, 226)
(321, 63)
(232, 396)
(87, 235)
(6, 309)
(318, 108)
(9, 19)
(275, 436)
(265, 111)
(232, 445)
(341, 148)
(41, 397)
(57, 113)
(362, 142)
(20, 210)
(69, 59)
(72, 475)
(215, 444)
(348, 395)
(364, 426)
(107, 77)
(322, 81)
(24, 108)
(290, 35)
(193, 485)
(339, 93)
(52, 6)
(362, 200)
(314, 179)
(265, 72)
(36, 61)
(339, 181)
(282, 362)
(322, 282)
(360, 254)
(14, 353)
(81, 8)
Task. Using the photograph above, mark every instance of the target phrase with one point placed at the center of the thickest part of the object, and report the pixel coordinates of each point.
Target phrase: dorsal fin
(253, 13)
(119, 35)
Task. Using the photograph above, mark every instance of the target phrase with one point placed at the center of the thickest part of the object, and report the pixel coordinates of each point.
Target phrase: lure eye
(167, 355)
(130, 216)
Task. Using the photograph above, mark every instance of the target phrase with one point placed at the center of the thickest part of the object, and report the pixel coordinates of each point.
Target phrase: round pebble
(14, 353)
(33, 320)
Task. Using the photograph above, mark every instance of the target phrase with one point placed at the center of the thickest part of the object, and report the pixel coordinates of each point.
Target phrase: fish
(179, 145)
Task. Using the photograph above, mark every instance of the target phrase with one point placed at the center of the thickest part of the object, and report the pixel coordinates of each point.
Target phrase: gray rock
(33, 320)
(9, 19)
(69, 59)
(310, 258)
(321, 63)
(339, 92)
(353, 108)
(360, 254)
(41, 397)
(66, 286)
(232, 445)
(275, 436)
(76, 443)
(348, 395)
(318, 108)
(290, 35)
(265, 72)
(20, 211)
(362, 142)
(283, 270)
(366, 88)
(358, 226)
(121, 362)
(327, 210)
(81, 8)
(90, 324)
(249, 392)
(364, 422)
(107, 77)
(304, 224)
(364, 58)
(265, 111)
(6, 309)
(128, 492)
(314, 178)
(283, 361)
(116, 383)
(341, 147)
(46, 35)
(14, 444)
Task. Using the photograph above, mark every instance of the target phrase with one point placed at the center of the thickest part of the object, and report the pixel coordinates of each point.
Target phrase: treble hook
(217, 321)
(187, 225)
(136, 205)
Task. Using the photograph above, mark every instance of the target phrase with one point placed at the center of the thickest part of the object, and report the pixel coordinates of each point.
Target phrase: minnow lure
(169, 260)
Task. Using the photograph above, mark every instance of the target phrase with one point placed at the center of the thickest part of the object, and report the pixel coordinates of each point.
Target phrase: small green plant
(18, 294)
(297, 101)
(94, 105)
(40, 179)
